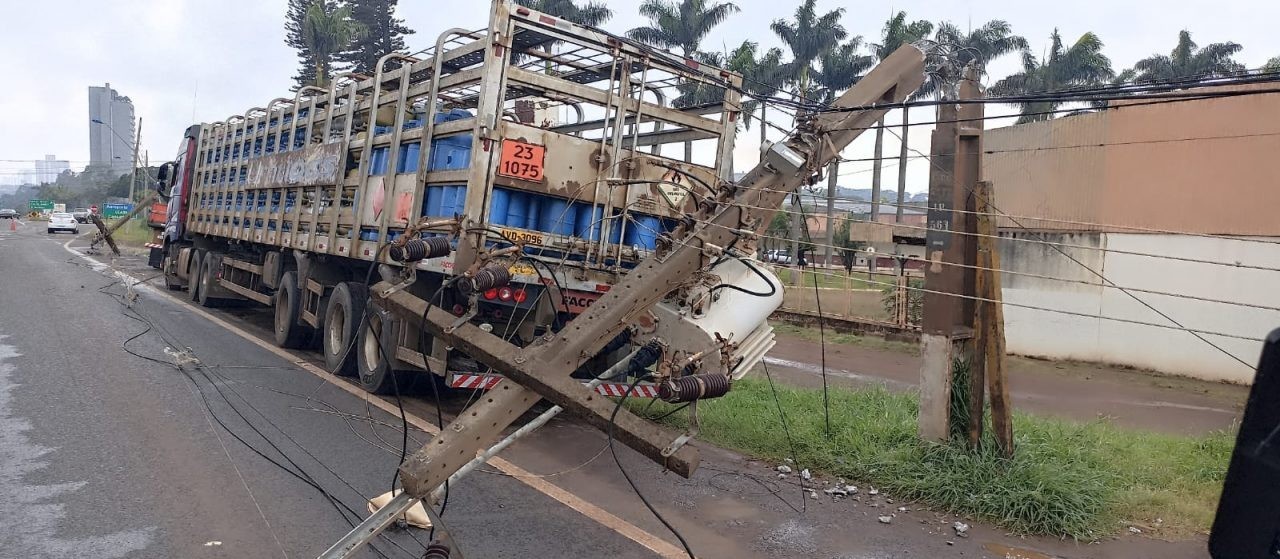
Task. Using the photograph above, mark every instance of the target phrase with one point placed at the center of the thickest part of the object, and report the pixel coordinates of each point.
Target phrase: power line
(1095, 226)
(1059, 244)
(1041, 276)
(1099, 274)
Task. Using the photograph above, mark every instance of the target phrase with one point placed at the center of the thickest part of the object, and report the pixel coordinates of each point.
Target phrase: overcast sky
(191, 61)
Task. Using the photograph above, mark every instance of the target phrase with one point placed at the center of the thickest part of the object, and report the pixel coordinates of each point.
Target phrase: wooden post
(990, 331)
(981, 362)
(948, 316)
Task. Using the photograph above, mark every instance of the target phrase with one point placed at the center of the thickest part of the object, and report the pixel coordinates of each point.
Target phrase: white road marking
(605, 518)
(34, 519)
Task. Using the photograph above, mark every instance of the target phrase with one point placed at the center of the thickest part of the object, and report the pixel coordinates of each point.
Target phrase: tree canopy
(1081, 64)
(384, 34)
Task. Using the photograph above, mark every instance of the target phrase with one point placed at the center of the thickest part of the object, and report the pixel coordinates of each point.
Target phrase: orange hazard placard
(521, 161)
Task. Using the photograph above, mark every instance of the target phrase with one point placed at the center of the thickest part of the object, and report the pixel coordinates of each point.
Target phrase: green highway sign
(41, 205)
(115, 211)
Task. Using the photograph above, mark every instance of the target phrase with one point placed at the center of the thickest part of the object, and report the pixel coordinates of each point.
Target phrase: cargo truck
(510, 175)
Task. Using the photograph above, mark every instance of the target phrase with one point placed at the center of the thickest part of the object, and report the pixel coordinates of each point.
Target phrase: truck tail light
(504, 293)
(491, 294)
(519, 296)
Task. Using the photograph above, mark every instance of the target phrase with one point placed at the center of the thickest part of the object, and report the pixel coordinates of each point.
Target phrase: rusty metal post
(948, 317)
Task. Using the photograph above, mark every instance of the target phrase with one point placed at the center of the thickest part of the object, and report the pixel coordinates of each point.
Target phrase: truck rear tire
(377, 374)
(342, 318)
(171, 280)
(209, 265)
(194, 269)
(290, 331)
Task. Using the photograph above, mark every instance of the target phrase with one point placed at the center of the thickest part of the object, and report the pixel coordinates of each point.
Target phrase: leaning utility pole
(729, 221)
(948, 321)
(134, 177)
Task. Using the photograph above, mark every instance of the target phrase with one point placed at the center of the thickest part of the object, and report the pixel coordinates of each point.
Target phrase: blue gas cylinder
(557, 216)
(409, 153)
(500, 204)
(643, 231)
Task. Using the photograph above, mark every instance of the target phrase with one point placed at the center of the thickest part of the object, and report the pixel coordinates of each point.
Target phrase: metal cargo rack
(534, 130)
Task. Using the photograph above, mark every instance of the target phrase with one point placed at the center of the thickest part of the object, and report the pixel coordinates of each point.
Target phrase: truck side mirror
(163, 177)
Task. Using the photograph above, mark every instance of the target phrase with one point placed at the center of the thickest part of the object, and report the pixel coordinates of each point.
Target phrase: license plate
(520, 236)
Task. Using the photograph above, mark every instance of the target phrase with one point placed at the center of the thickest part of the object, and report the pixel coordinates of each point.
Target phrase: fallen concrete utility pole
(727, 225)
(105, 231)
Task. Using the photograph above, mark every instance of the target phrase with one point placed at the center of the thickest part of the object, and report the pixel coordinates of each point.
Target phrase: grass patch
(1066, 479)
(834, 278)
(134, 234)
(833, 337)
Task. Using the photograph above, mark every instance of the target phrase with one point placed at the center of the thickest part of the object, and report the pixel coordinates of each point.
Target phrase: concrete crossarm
(541, 370)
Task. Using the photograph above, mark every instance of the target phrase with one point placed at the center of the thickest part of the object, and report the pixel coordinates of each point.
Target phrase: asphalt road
(109, 450)
(106, 454)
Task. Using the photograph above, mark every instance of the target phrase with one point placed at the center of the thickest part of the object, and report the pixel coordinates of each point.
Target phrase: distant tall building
(48, 169)
(110, 129)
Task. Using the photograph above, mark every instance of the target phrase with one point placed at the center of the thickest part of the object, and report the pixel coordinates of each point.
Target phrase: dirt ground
(1078, 391)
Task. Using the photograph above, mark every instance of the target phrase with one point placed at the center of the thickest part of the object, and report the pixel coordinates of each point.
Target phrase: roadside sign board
(116, 211)
(40, 205)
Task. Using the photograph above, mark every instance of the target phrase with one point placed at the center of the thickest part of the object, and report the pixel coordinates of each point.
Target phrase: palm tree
(590, 14)
(741, 60)
(327, 31)
(1189, 61)
(897, 31)
(808, 37)
(947, 55)
(680, 25)
(952, 50)
(764, 80)
(1081, 64)
(839, 69)
(683, 26)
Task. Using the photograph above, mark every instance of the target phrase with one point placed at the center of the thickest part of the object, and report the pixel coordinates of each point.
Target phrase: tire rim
(204, 282)
(372, 351)
(334, 328)
(282, 318)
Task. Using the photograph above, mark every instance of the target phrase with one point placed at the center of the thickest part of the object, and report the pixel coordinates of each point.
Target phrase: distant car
(81, 215)
(8, 213)
(62, 221)
(777, 257)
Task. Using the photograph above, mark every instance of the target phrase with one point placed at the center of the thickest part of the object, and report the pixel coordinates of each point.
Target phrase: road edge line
(590, 510)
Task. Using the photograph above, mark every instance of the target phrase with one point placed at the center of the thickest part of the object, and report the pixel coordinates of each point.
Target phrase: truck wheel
(290, 331)
(170, 279)
(342, 320)
(194, 269)
(376, 373)
(209, 266)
